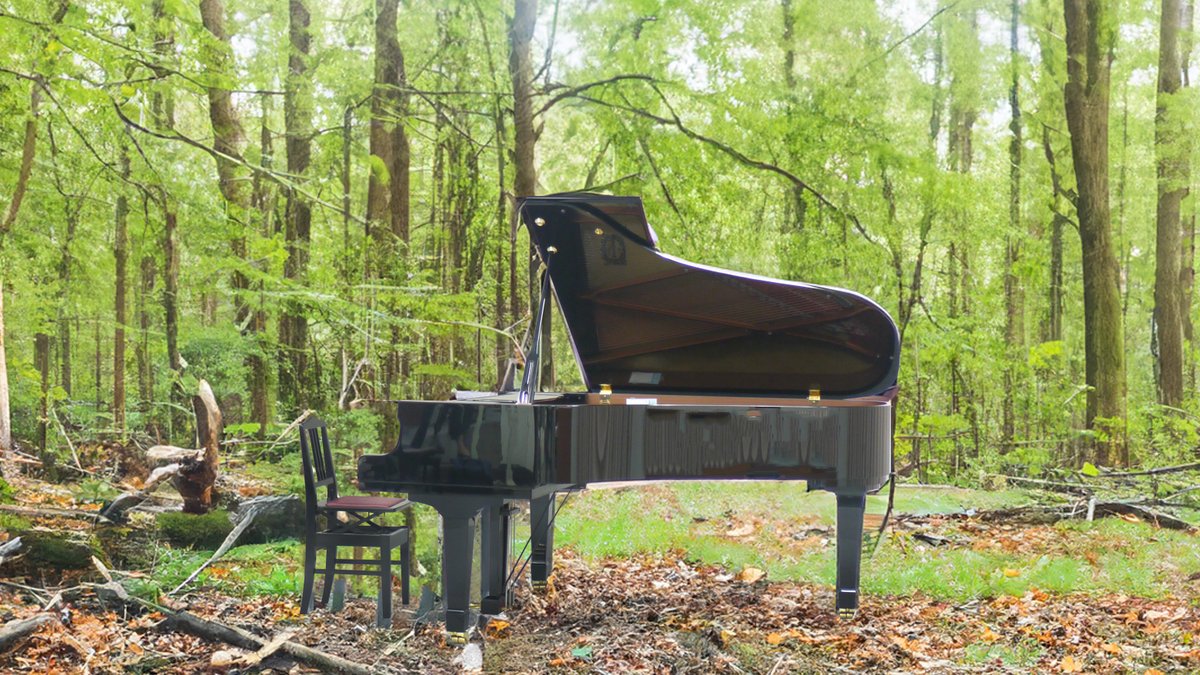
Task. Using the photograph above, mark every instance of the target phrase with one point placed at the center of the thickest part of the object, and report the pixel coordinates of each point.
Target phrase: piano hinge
(814, 395)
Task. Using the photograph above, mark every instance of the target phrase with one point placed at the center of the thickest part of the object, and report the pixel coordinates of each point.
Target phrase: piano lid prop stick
(533, 360)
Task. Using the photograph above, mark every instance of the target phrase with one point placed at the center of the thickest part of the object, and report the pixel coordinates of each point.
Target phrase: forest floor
(687, 578)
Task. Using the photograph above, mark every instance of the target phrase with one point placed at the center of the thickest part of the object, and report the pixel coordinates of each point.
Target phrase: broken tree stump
(197, 474)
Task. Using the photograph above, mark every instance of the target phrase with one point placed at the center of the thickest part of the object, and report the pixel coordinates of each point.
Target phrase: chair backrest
(317, 459)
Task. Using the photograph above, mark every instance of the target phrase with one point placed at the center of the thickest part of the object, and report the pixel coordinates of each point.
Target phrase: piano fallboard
(520, 451)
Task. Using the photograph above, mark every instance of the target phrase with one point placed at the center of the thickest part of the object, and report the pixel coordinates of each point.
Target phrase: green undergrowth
(793, 540)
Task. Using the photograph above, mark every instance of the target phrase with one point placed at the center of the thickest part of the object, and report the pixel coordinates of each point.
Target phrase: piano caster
(456, 638)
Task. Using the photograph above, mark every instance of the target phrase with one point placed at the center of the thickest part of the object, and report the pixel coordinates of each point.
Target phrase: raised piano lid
(644, 321)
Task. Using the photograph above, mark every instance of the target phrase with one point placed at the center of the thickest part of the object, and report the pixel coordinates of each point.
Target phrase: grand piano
(690, 372)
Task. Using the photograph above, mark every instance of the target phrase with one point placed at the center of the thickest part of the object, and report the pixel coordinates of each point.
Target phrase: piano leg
(541, 531)
(459, 516)
(495, 540)
(850, 511)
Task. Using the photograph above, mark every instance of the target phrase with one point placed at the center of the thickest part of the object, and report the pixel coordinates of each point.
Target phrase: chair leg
(405, 566)
(310, 572)
(383, 612)
(327, 591)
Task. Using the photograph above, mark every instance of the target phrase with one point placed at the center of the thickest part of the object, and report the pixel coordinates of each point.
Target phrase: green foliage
(898, 127)
(7, 492)
(194, 531)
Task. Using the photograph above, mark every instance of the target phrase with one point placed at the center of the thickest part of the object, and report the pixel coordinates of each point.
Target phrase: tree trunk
(64, 322)
(41, 361)
(520, 69)
(1090, 37)
(387, 83)
(1170, 143)
(145, 373)
(5, 414)
(1014, 328)
(164, 111)
(121, 253)
(297, 114)
(1187, 263)
(235, 186)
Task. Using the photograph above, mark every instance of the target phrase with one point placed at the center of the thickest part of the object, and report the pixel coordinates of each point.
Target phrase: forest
(311, 206)
(221, 218)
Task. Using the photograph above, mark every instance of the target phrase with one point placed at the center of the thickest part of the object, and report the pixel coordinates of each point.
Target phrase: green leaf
(582, 652)
(1089, 469)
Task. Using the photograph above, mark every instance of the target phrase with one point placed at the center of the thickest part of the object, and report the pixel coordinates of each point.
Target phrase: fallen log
(15, 631)
(1044, 514)
(9, 549)
(50, 512)
(219, 632)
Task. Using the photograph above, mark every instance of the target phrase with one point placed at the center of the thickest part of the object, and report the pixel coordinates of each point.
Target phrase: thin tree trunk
(1014, 332)
(64, 323)
(1187, 263)
(5, 415)
(1170, 143)
(41, 361)
(297, 113)
(145, 373)
(1090, 38)
(163, 106)
(120, 301)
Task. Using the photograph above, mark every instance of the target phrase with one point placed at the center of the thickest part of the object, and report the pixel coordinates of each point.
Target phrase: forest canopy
(311, 205)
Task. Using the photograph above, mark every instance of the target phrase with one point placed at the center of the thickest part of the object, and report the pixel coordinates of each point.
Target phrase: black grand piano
(691, 372)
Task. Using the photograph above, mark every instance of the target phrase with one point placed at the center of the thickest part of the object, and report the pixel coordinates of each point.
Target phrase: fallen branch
(47, 512)
(15, 631)
(115, 511)
(1052, 485)
(219, 632)
(254, 507)
(1149, 472)
(9, 548)
(63, 430)
(1052, 514)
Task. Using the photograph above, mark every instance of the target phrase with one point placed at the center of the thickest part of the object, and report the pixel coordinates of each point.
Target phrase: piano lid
(644, 321)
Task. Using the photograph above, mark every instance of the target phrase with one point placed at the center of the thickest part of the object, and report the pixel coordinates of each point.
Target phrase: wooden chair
(361, 530)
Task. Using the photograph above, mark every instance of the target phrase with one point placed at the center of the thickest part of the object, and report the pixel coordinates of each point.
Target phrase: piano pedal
(456, 638)
(847, 613)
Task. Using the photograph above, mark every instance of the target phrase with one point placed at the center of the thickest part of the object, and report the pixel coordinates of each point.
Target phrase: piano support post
(541, 520)
(851, 508)
(495, 539)
(460, 515)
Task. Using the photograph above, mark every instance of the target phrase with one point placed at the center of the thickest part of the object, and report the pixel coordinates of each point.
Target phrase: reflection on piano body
(691, 373)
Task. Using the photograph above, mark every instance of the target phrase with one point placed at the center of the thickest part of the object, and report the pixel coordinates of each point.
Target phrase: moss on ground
(195, 531)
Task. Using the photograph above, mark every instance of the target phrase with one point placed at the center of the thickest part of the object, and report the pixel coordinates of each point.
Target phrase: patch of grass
(1108, 555)
(7, 492)
(14, 524)
(1023, 654)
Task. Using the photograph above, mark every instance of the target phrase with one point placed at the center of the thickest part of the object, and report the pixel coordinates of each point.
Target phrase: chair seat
(361, 536)
(365, 503)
